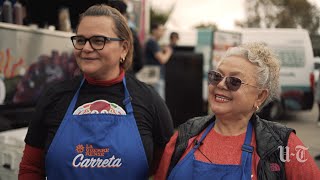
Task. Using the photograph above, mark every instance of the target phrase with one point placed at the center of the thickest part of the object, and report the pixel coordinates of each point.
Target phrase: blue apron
(97, 146)
(190, 168)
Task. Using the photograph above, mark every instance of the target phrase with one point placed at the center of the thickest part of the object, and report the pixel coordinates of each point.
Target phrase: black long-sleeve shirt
(150, 111)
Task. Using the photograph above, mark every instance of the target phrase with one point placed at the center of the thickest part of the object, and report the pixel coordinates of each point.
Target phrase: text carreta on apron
(97, 146)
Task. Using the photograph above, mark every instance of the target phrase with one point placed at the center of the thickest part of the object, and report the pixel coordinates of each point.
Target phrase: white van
(294, 49)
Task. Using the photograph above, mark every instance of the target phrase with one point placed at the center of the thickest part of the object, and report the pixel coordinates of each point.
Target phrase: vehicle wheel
(272, 112)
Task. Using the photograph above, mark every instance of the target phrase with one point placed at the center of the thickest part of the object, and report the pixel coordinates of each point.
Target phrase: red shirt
(227, 150)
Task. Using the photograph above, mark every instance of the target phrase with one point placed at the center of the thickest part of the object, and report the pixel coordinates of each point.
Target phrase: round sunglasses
(232, 83)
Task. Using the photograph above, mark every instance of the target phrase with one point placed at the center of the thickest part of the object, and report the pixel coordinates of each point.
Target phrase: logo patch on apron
(99, 107)
(90, 157)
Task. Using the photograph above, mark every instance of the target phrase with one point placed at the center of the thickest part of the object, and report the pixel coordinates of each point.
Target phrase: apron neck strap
(247, 149)
(246, 156)
(127, 97)
(126, 101)
(208, 129)
(74, 99)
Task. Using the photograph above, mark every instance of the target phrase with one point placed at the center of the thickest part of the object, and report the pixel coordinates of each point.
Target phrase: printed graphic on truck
(30, 59)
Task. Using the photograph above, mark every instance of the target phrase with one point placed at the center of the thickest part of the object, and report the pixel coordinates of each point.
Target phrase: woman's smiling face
(242, 101)
(99, 64)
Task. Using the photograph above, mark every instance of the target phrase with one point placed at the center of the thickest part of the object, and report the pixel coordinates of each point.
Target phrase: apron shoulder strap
(127, 98)
(186, 131)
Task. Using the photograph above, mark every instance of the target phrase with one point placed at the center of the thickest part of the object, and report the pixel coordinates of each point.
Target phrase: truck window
(293, 56)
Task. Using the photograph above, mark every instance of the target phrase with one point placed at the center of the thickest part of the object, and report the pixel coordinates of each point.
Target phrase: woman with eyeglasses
(103, 125)
(235, 143)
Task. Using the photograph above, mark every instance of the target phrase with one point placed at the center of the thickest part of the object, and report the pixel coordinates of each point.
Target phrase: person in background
(6, 124)
(235, 143)
(157, 56)
(174, 38)
(138, 60)
(317, 98)
(105, 123)
(2, 89)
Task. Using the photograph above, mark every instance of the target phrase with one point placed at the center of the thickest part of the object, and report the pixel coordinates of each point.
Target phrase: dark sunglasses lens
(214, 77)
(233, 83)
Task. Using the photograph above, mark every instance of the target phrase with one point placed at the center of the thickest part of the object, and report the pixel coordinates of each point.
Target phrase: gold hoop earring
(122, 60)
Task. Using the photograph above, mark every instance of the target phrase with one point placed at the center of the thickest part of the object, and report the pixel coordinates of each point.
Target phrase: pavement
(305, 124)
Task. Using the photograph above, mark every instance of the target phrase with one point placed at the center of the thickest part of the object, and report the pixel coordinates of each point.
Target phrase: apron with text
(190, 168)
(97, 146)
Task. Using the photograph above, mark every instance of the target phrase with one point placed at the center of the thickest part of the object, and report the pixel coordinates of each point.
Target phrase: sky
(188, 13)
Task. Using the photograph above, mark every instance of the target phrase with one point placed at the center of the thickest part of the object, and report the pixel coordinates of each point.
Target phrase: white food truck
(294, 49)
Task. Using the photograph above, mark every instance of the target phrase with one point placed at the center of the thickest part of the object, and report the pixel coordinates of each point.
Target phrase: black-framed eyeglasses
(96, 42)
(232, 83)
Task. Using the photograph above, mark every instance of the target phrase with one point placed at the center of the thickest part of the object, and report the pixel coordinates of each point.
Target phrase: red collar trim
(105, 83)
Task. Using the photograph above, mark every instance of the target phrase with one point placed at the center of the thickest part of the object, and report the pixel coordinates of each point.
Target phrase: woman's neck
(231, 127)
(109, 82)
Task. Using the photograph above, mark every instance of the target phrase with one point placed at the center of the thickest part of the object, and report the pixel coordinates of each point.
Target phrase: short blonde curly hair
(267, 63)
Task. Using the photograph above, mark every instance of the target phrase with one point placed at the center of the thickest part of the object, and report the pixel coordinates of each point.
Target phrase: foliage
(281, 14)
(157, 16)
(212, 26)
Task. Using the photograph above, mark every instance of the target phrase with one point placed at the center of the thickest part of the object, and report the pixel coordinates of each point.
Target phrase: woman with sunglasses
(103, 125)
(235, 143)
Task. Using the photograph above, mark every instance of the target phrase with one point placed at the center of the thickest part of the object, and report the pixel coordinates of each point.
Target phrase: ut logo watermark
(299, 152)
